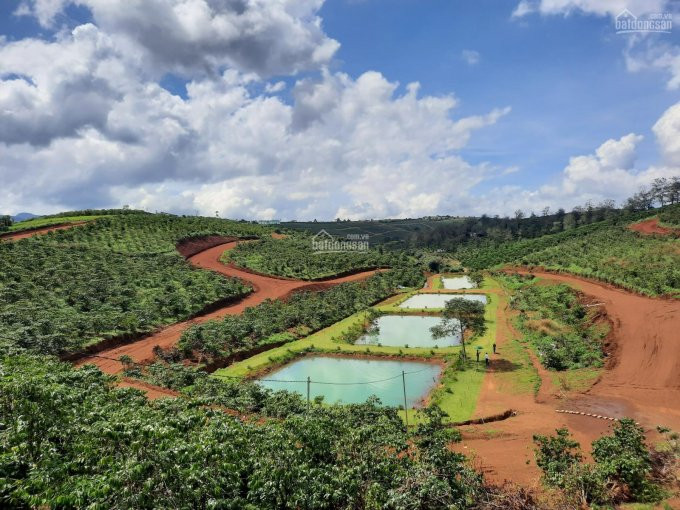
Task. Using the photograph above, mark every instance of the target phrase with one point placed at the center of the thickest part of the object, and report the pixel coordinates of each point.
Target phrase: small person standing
(494, 347)
(477, 355)
(486, 359)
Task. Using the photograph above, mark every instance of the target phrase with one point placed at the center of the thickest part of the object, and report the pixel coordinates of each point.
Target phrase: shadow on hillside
(503, 365)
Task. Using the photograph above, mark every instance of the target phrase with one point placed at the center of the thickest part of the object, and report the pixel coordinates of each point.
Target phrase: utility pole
(403, 380)
(308, 384)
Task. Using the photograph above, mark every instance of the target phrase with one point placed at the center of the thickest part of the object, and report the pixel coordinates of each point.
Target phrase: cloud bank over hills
(268, 127)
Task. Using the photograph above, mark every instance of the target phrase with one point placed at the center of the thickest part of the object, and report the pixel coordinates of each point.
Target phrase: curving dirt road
(15, 236)
(264, 287)
(645, 368)
(642, 381)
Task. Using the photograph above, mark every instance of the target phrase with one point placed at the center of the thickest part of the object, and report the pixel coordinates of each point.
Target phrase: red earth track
(642, 381)
(15, 236)
(264, 287)
(644, 370)
(152, 392)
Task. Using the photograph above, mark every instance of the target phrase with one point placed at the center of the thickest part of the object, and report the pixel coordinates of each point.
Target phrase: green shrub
(622, 471)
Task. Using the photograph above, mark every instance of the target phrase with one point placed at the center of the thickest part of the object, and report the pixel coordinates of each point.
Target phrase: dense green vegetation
(69, 440)
(68, 217)
(670, 216)
(608, 251)
(56, 299)
(5, 223)
(278, 321)
(118, 275)
(295, 257)
(149, 234)
(562, 331)
(449, 233)
(459, 317)
(625, 468)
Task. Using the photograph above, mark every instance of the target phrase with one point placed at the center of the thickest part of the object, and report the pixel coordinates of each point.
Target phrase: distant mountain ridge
(23, 216)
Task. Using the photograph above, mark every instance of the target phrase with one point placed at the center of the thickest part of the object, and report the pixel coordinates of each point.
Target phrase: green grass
(459, 390)
(437, 283)
(524, 379)
(46, 222)
(579, 379)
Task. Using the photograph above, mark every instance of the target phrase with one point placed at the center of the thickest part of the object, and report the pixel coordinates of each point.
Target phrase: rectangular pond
(422, 301)
(403, 330)
(353, 380)
(457, 283)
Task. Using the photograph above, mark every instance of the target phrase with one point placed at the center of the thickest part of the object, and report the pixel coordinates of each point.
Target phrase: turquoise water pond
(438, 300)
(457, 283)
(381, 378)
(411, 330)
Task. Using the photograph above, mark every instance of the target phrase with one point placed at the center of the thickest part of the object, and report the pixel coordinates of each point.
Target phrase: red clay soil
(263, 288)
(651, 226)
(15, 236)
(642, 381)
(152, 392)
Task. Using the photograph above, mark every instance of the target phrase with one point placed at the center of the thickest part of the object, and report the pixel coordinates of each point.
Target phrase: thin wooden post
(309, 381)
(403, 380)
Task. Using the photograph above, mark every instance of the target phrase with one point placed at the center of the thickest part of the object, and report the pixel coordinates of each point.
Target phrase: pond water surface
(403, 330)
(457, 283)
(353, 380)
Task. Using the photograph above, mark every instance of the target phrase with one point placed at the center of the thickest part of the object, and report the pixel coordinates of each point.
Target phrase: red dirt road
(15, 236)
(152, 392)
(645, 368)
(264, 287)
(651, 226)
(641, 381)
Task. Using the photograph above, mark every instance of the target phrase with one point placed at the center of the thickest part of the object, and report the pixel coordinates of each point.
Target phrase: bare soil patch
(652, 227)
(642, 381)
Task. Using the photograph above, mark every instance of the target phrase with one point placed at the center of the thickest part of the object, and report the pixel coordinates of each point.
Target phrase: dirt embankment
(645, 366)
(264, 287)
(642, 381)
(190, 247)
(23, 234)
(652, 227)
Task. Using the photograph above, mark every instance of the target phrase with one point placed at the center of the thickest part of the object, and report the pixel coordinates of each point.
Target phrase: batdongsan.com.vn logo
(628, 23)
(323, 242)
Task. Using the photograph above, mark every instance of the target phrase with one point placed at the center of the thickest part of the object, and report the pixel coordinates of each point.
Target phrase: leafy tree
(556, 455)
(624, 457)
(477, 278)
(5, 223)
(622, 470)
(459, 316)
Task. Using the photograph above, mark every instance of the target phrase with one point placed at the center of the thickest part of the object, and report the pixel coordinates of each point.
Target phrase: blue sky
(530, 93)
(564, 77)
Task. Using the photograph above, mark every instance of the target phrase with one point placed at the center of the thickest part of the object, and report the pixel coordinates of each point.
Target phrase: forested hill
(448, 233)
(607, 250)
